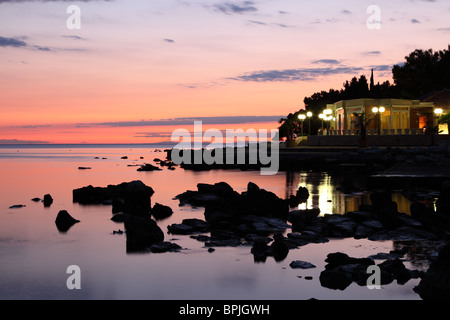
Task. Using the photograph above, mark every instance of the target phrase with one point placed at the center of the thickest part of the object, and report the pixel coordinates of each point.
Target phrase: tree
(289, 126)
(424, 71)
(372, 83)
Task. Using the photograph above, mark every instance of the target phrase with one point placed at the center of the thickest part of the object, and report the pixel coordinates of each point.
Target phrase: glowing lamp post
(309, 115)
(378, 111)
(328, 117)
(302, 118)
(322, 117)
(438, 112)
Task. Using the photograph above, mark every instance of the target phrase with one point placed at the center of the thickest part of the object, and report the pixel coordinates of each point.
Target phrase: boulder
(301, 196)
(64, 221)
(362, 232)
(128, 197)
(160, 211)
(342, 270)
(278, 249)
(17, 206)
(435, 284)
(221, 202)
(141, 233)
(403, 234)
(197, 199)
(298, 264)
(189, 226)
(48, 200)
(397, 269)
(148, 167)
(262, 225)
(335, 279)
(164, 246)
(385, 256)
(338, 259)
(306, 237)
(261, 202)
(300, 219)
(220, 189)
(120, 217)
(340, 225)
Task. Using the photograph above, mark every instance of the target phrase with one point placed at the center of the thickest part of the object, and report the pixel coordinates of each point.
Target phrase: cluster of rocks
(342, 270)
(222, 203)
(379, 221)
(259, 218)
(131, 205)
(128, 197)
(47, 201)
(391, 155)
(247, 218)
(162, 163)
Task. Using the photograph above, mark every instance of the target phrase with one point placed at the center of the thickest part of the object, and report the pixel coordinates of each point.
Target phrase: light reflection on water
(325, 194)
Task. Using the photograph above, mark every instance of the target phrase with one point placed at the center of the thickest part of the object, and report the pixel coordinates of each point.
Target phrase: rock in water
(17, 206)
(148, 167)
(64, 221)
(335, 279)
(160, 211)
(261, 202)
(301, 219)
(128, 197)
(48, 200)
(142, 233)
(165, 246)
(298, 264)
(435, 285)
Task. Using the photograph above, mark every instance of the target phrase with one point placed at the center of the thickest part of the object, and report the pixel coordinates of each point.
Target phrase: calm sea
(34, 255)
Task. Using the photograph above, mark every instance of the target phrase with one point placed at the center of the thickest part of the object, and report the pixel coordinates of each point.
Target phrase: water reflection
(324, 193)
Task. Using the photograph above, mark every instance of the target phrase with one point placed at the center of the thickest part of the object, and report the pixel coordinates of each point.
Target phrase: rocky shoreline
(269, 227)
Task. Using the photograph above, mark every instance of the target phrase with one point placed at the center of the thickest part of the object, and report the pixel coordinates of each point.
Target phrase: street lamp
(378, 111)
(328, 117)
(438, 112)
(309, 115)
(322, 117)
(302, 117)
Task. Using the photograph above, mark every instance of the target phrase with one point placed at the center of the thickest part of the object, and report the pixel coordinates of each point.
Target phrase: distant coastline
(158, 145)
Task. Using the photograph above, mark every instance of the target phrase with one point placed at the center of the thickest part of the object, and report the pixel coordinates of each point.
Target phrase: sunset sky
(136, 70)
